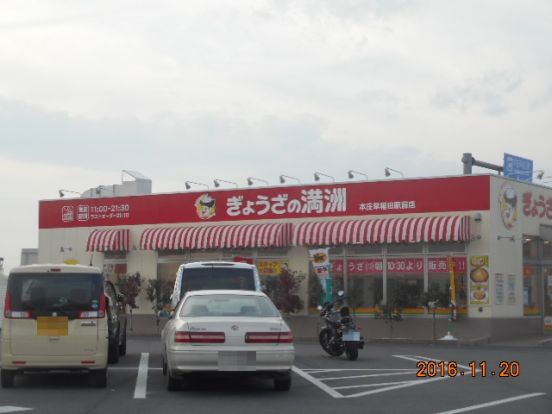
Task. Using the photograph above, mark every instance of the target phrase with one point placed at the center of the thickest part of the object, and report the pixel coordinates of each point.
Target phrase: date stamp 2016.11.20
(432, 369)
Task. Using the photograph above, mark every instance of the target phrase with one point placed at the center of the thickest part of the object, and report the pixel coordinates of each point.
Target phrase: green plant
(130, 286)
(315, 291)
(158, 292)
(283, 290)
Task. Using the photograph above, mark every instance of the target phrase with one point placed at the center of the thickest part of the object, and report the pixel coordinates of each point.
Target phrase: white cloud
(202, 89)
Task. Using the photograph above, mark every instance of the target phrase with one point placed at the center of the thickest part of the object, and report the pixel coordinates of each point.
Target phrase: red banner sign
(397, 265)
(537, 205)
(452, 194)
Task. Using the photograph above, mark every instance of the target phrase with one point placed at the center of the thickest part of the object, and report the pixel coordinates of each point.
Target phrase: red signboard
(397, 265)
(452, 194)
(537, 205)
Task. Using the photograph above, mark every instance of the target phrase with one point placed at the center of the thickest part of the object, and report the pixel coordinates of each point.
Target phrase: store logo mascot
(508, 205)
(206, 207)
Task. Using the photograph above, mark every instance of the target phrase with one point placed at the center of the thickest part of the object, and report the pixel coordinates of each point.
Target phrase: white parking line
(396, 387)
(321, 383)
(417, 358)
(493, 403)
(316, 382)
(381, 384)
(142, 378)
(386, 374)
(320, 371)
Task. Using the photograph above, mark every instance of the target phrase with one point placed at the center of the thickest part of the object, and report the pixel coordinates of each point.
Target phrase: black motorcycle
(340, 333)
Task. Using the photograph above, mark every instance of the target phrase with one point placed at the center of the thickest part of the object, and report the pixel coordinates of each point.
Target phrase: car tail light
(10, 314)
(286, 338)
(95, 314)
(103, 305)
(268, 338)
(199, 337)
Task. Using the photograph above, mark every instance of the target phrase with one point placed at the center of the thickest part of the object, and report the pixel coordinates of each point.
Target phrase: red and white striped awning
(379, 231)
(114, 240)
(216, 237)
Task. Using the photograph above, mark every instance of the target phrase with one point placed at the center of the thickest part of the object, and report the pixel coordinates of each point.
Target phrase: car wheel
(100, 378)
(7, 378)
(164, 367)
(173, 383)
(122, 346)
(113, 353)
(282, 382)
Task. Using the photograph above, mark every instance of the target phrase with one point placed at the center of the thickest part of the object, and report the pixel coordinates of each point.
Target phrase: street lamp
(217, 182)
(187, 184)
(62, 192)
(283, 179)
(100, 188)
(318, 174)
(539, 174)
(388, 172)
(250, 180)
(351, 174)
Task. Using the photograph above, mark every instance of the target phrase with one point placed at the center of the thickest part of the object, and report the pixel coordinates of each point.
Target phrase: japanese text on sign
(399, 265)
(537, 206)
(90, 213)
(387, 205)
(311, 201)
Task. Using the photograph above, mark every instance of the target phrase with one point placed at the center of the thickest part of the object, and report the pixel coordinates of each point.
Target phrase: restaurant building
(387, 240)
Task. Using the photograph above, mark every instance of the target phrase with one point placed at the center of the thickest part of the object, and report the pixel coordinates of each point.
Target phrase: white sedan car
(227, 331)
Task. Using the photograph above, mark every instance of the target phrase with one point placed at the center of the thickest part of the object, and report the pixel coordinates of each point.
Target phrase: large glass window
(167, 271)
(532, 293)
(404, 248)
(439, 282)
(446, 247)
(405, 282)
(547, 274)
(533, 250)
(364, 282)
(115, 265)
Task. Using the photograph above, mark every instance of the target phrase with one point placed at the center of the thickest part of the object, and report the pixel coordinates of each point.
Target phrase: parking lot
(383, 380)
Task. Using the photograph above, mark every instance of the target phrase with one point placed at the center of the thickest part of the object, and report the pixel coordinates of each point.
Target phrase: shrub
(283, 290)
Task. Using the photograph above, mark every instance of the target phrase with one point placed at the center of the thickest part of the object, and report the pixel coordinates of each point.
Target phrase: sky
(200, 89)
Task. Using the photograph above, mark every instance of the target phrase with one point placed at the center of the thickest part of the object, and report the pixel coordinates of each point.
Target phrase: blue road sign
(518, 168)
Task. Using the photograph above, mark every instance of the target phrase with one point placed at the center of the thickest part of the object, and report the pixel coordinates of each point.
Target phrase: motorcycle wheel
(324, 338)
(351, 350)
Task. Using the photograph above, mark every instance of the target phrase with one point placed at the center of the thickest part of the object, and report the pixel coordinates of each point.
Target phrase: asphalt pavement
(383, 380)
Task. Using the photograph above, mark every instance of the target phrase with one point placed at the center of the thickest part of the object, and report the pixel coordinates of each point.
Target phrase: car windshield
(211, 278)
(229, 306)
(55, 292)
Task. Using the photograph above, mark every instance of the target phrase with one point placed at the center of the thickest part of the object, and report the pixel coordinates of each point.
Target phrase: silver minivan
(55, 318)
(214, 275)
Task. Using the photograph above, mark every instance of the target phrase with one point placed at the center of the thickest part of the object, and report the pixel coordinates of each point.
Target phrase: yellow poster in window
(479, 280)
(270, 267)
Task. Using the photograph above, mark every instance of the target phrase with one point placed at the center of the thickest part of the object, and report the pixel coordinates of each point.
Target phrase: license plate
(351, 336)
(52, 326)
(237, 360)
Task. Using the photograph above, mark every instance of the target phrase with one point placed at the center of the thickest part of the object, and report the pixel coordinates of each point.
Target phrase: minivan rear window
(206, 278)
(63, 293)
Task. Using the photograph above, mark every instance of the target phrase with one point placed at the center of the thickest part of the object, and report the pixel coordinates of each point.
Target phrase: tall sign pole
(452, 300)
